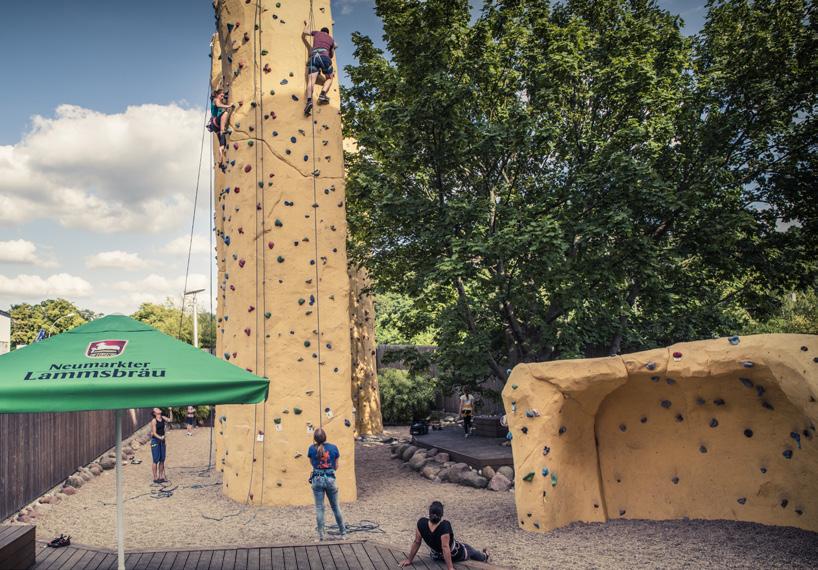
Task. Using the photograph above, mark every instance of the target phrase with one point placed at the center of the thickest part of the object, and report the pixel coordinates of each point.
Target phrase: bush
(405, 396)
(180, 413)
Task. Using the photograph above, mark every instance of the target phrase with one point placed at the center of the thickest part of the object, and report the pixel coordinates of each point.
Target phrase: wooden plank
(277, 554)
(376, 557)
(156, 561)
(289, 558)
(363, 558)
(192, 562)
(54, 560)
(97, 560)
(85, 559)
(217, 561)
(241, 559)
(252, 559)
(204, 558)
(180, 560)
(314, 558)
(72, 561)
(350, 557)
(142, 562)
(265, 559)
(301, 557)
(337, 557)
(325, 555)
(229, 559)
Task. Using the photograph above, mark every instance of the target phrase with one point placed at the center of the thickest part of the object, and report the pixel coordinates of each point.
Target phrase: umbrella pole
(120, 518)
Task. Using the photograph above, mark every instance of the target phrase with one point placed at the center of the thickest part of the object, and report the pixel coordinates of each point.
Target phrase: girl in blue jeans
(324, 459)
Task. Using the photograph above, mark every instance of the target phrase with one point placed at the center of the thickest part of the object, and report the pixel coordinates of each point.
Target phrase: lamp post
(61, 318)
(195, 316)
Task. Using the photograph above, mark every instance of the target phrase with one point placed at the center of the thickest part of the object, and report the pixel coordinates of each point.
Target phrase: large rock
(418, 460)
(95, 468)
(507, 472)
(499, 483)
(472, 479)
(431, 470)
(431, 452)
(69, 491)
(409, 452)
(454, 474)
(488, 471)
(85, 474)
(442, 457)
(75, 481)
(107, 462)
(713, 429)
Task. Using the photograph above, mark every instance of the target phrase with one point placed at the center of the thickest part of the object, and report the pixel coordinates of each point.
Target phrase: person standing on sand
(324, 459)
(438, 535)
(466, 410)
(158, 448)
(190, 419)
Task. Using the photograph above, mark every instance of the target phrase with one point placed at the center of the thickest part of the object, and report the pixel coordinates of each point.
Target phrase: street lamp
(195, 316)
(59, 319)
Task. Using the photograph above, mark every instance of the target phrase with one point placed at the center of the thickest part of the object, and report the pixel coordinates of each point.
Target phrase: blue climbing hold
(545, 471)
(509, 436)
(747, 382)
(797, 437)
(666, 404)
(787, 454)
(734, 340)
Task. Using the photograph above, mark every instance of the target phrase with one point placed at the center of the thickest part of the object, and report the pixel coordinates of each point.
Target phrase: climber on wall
(319, 60)
(219, 115)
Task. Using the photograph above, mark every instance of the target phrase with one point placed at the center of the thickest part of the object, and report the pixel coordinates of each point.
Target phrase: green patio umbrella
(117, 363)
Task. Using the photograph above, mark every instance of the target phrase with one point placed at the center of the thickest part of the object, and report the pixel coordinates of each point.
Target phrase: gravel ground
(198, 515)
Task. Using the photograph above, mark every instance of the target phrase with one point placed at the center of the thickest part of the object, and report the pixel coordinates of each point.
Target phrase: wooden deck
(348, 555)
(473, 450)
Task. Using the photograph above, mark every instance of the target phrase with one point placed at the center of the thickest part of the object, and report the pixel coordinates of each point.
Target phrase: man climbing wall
(281, 227)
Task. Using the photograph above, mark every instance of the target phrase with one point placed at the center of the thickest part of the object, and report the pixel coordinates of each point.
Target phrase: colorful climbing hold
(528, 477)
(734, 340)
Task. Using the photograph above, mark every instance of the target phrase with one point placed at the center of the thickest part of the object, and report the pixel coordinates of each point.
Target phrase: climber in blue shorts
(319, 61)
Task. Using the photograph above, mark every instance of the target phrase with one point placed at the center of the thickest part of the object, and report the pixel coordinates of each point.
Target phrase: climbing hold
(643, 419)
(741, 500)
(784, 503)
(734, 340)
(248, 167)
(654, 378)
(553, 479)
(524, 429)
(677, 356)
(250, 309)
(748, 433)
(799, 512)
(623, 427)
(760, 390)
(700, 401)
(670, 381)
(747, 363)
(307, 344)
(247, 331)
(301, 301)
(767, 405)
(718, 402)
(347, 423)
(680, 418)
(650, 366)
(545, 471)
(797, 437)
(227, 356)
(763, 470)
(241, 262)
(702, 449)
(509, 436)
(787, 454)
(297, 411)
(666, 404)
(747, 382)
(280, 259)
(714, 423)
(546, 450)
(284, 82)
(621, 512)
(563, 429)
(528, 477)
(675, 480)
(532, 413)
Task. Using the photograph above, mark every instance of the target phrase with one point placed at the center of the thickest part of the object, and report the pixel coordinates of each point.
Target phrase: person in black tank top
(158, 448)
(438, 535)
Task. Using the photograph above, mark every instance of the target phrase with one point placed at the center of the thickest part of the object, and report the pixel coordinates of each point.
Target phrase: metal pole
(120, 507)
(195, 323)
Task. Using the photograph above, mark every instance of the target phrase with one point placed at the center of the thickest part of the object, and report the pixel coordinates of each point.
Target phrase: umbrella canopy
(116, 362)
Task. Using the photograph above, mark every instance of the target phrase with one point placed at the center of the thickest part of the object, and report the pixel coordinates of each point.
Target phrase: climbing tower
(365, 394)
(283, 309)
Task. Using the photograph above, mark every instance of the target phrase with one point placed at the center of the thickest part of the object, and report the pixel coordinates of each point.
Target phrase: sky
(100, 142)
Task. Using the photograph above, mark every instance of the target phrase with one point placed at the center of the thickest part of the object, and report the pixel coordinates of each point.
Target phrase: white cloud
(22, 251)
(179, 246)
(130, 171)
(126, 295)
(348, 5)
(34, 286)
(116, 260)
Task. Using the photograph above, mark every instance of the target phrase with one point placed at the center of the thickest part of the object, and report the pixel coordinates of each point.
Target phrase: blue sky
(86, 213)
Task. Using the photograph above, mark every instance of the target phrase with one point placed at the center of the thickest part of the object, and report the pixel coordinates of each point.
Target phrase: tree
(580, 179)
(54, 316)
(798, 314)
(168, 319)
(398, 321)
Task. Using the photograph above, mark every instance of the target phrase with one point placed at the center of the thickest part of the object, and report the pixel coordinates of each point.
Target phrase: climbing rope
(315, 242)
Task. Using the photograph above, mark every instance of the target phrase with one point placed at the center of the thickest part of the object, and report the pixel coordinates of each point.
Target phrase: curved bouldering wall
(716, 429)
(283, 298)
(365, 394)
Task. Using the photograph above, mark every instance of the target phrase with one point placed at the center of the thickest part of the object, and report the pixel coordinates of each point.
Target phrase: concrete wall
(283, 298)
(5, 332)
(717, 429)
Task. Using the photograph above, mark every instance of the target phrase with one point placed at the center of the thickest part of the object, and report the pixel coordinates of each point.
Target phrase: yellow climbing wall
(716, 429)
(283, 287)
(365, 394)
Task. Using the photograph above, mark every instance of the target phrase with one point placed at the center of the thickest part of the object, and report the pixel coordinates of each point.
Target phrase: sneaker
(323, 99)
(308, 108)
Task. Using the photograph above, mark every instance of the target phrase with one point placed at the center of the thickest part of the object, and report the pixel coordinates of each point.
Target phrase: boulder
(85, 474)
(455, 472)
(409, 452)
(442, 475)
(107, 462)
(418, 460)
(442, 457)
(431, 470)
(507, 471)
(95, 469)
(75, 481)
(24, 519)
(488, 472)
(46, 499)
(69, 491)
(472, 479)
(431, 452)
(499, 483)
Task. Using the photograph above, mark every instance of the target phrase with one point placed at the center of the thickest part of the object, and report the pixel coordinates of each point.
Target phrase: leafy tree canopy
(559, 180)
(168, 319)
(54, 316)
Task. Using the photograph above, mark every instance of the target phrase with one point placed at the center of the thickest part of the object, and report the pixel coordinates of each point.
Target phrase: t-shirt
(467, 402)
(322, 40)
(326, 461)
(191, 411)
(433, 539)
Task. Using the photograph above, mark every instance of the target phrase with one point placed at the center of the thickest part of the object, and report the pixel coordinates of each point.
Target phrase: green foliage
(405, 396)
(798, 314)
(581, 179)
(166, 318)
(53, 315)
(398, 320)
(180, 414)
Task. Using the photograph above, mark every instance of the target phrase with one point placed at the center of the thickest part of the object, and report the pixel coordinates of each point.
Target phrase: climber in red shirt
(320, 60)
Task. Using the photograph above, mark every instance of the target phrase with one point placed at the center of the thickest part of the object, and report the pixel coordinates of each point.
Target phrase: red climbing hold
(270, 244)
(248, 168)
(247, 331)
(241, 263)
(250, 309)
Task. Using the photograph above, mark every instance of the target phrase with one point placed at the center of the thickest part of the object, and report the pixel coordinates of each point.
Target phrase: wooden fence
(38, 451)
(444, 402)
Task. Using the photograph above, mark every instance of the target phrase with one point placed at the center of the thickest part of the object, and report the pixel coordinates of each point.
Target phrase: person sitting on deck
(219, 115)
(438, 535)
(320, 60)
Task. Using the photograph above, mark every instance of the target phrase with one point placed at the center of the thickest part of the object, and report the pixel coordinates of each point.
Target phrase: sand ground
(198, 515)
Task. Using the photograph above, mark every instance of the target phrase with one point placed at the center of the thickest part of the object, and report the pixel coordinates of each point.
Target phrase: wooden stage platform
(347, 555)
(473, 450)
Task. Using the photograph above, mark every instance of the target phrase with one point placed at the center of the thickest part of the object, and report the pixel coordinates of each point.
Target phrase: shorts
(190, 421)
(158, 450)
(320, 62)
